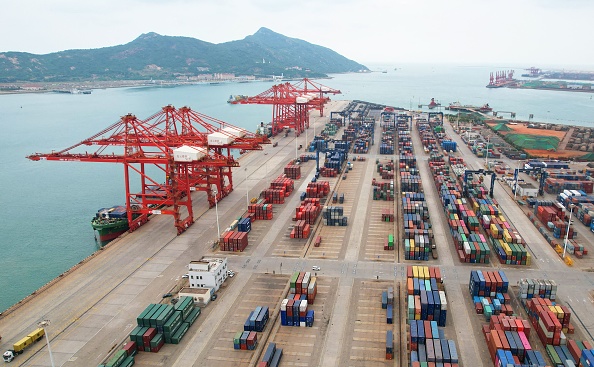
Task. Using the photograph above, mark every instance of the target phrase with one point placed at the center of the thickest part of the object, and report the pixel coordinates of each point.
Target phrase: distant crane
(500, 79)
(291, 104)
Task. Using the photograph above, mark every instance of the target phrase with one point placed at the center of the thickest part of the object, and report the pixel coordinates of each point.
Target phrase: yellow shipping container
(426, 272)
(494, 229)
(22, 344)
(528, 258)
(505, 247)
(37, 334)
(507, 236)
(415, 271)
(560, 313)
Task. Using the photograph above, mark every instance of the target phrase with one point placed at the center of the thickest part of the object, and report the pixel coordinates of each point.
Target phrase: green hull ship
(110, 222)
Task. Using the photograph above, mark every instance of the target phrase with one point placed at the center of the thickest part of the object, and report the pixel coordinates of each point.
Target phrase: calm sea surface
(46, 207)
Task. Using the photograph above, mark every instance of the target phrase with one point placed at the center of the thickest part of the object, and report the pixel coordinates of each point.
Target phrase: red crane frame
(151, 142)
(291, 103)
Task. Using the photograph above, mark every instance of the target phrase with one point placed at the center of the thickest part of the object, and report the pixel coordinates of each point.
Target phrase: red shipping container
(129, 347)
(158, 347)
(148, 336)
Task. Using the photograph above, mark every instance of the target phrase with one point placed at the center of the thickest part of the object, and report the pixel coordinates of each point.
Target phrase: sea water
(46, 207)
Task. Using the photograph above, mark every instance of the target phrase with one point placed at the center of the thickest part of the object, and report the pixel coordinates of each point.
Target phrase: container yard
(337, 267)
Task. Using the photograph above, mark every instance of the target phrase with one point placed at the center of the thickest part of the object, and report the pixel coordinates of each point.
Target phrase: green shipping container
(170, 334)
(156, 340)
(117, 359)
(193, 315)
(143, 314)
(164, 316)
(172, 322)
(294, 279)
(187, 309)
(183, 304)
(146, 319)
(179, 334)
(128, 362)
(155, 316)
(237, 337)
(135, 332)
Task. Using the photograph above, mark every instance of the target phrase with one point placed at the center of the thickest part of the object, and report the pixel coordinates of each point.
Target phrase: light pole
(568, 226)
(43, 324)
(215, 192)
(487, 152)
(295, 146)
(247, 194)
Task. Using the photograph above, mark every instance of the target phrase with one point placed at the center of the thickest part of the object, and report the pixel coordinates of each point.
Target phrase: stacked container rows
(416, 234)
(489, 291)
(303, 289)
(279, 189)
(161, 323)
(426, 296)
(470, 244)
(427, 312)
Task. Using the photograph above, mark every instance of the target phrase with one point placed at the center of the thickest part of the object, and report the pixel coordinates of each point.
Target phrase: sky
(528, 32)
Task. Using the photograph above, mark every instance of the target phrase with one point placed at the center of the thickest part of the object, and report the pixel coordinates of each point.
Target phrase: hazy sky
(530, 32)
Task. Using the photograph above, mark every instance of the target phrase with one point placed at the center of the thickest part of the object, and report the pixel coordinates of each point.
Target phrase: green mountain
(164, 57)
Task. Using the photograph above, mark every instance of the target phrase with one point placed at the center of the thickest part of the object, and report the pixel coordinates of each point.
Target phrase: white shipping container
(467, 248)
(303, 306)
(218, 139)
(188, 154)
(563, 338)
(284, 304)
(235, 132)
(443, 300)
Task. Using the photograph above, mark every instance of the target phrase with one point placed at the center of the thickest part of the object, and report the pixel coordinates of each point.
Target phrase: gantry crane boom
(154, 141)
(291, 103)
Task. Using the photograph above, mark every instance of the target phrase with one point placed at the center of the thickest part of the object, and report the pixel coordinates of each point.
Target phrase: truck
(20, 346)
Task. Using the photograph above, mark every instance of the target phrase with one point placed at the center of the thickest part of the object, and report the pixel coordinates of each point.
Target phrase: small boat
(433, 104)
(486, 108)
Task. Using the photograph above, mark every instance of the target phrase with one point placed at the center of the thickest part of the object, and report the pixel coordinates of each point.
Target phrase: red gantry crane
(307, 87)
(291, 103)
(188, 150)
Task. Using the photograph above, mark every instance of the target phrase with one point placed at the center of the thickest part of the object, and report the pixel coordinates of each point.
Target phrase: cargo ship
(236, 98)
(455, 106)
(110, 222)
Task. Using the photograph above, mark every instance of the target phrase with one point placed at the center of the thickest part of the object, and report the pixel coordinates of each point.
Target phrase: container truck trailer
(20, 346)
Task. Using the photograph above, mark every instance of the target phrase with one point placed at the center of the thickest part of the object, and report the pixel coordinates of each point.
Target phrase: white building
(207, 273)
(527, 189)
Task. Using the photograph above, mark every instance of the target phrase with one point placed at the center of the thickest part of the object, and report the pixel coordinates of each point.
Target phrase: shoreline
(66, 87)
